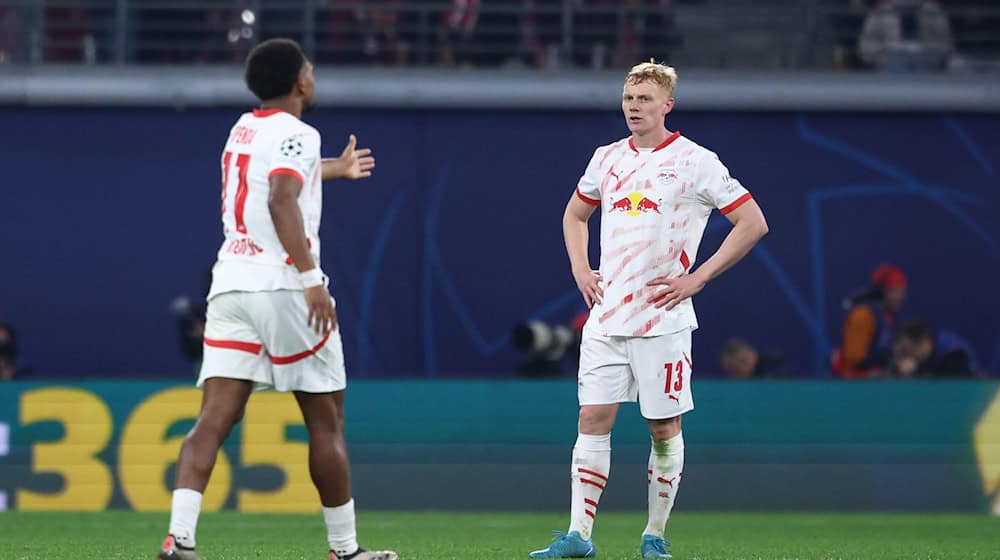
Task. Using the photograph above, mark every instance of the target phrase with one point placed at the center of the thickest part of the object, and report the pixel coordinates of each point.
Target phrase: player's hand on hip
(322, 315)
(358, 164)
(589, 282)
(676, 290)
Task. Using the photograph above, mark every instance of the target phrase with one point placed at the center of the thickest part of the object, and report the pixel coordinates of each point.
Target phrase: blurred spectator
(68, 34)
(9, 366)
(906, 35)
(646, 31)
(8, 34)
(619, 34)
(381, 41)
(920, 352)
(741, 360)
(846, 22)
(594, 33)
(868, 327)
(531, 38)
(343, 35)
(457, 32)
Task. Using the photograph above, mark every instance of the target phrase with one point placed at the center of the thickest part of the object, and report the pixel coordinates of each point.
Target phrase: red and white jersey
(655, 203)
(263, 144)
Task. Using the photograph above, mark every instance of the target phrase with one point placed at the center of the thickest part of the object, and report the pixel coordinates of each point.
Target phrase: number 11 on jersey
(242, 188)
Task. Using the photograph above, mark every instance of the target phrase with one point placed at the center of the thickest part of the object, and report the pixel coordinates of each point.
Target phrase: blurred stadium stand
(594, 34)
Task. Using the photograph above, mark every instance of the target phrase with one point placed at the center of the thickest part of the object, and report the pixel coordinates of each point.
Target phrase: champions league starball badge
(291, 147)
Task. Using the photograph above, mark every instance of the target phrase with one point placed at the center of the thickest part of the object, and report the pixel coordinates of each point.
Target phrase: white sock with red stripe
(591, 465)
(666, 463)
(184, 509)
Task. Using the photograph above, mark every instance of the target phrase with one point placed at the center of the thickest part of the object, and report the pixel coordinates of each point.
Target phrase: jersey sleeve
(717, 188)
(589, 187)
(296, 154)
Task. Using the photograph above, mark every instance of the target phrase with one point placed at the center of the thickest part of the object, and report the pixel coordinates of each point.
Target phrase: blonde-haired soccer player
(655, 190)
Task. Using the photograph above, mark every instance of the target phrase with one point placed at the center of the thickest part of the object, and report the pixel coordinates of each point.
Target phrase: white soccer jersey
(655, 204)
(262, 144)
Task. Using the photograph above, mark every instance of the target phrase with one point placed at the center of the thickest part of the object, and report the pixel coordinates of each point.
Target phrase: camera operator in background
(191, 325)
(548, 346)
(918, 351)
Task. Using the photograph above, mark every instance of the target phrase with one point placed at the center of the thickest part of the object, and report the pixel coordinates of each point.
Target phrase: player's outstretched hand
(322, 315)
(677, 290)
(589, 283)
(358, 164)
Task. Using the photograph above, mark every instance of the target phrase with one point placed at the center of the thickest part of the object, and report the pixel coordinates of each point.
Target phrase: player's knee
(214, 427)
(596, 420)
(664, 429)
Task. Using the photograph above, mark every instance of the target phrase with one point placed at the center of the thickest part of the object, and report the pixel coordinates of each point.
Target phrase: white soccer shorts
(657, 369)
(263, 337)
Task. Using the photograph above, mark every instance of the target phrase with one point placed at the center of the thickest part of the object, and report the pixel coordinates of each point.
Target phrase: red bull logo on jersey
(624, 205)
(635, 204)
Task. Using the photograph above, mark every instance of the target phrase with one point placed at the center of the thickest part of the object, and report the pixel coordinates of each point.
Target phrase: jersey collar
(671, 138)
(266, 112)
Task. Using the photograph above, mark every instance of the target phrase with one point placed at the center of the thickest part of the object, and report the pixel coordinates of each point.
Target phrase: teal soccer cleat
(567, 546)
(655, 547)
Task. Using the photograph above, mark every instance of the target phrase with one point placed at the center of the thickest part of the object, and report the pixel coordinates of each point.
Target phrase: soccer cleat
(565, 545)
(173, 551)
(363, 554)
(655, 547)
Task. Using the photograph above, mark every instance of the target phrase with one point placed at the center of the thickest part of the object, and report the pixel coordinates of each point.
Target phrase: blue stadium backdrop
(106, 215)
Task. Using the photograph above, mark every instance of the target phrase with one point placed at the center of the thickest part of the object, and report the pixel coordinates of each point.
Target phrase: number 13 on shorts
(675, 377)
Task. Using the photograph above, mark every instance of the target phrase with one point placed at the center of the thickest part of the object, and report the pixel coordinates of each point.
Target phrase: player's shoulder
(605, 149)
(686, 144)
(695, 151)
(306, 128)
(290, 125)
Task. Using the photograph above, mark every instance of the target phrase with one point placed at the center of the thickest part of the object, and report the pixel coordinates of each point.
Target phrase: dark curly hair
(273, 68)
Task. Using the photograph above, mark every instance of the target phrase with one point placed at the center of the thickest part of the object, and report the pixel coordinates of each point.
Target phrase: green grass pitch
(489, 536)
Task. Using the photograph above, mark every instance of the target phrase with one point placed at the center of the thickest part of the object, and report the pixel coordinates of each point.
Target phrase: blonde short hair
(660, 74)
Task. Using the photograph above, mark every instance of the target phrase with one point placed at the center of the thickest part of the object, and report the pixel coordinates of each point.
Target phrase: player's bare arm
(351, 164)
(749, 226)
(577, 236)
(283, 205)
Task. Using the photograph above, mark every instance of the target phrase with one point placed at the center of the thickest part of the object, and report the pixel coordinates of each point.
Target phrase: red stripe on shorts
(285, 360)
(234, 345)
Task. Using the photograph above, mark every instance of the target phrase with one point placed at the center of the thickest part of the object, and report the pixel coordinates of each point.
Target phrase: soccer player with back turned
(271, 321)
